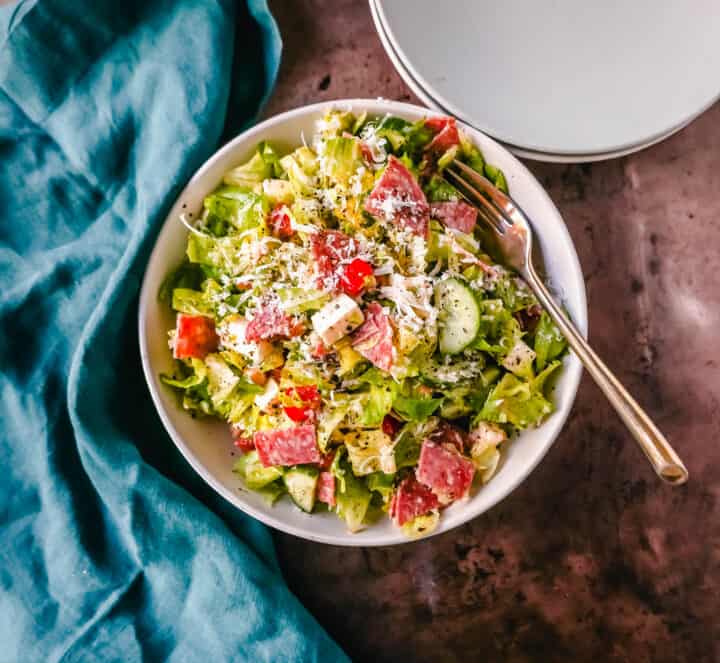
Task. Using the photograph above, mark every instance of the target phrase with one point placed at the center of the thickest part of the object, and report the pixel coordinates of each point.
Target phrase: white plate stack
(560, 80)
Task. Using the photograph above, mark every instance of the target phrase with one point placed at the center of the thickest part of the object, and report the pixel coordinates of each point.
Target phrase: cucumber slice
(256, 475)
(301, 483)
(459, 315)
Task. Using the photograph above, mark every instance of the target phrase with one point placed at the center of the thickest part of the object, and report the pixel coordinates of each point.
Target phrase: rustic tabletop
(591, 558)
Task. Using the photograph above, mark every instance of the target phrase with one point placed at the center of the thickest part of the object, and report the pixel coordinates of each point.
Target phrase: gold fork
(511, 233)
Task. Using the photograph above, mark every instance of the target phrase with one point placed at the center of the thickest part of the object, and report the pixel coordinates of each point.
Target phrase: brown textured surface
(591, 558)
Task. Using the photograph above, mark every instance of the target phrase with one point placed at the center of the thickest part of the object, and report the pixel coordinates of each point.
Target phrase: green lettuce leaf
(392, 129)
(381, 483)
(192, 302)
(513, 292)
(300, 167)
(438, 190)
(378, 400)
(187, 275)
(255, 474)
(549, 342)
(496, 176)
(342, 158)
(521, 403)
(417, 138)
(409, 441)
(471, 155)
(234, 207)
(330, 417)
(264, 164)
(415, 409)
(221, 254)
(300, 300)
(352, 495)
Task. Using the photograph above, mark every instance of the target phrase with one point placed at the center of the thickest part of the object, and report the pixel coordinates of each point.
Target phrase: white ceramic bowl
(207, 445)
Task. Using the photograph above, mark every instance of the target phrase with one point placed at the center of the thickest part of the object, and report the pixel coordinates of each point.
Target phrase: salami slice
(374, 339)
(411, 499)
(445, 471)
(270, 323)
(329, 249)
(437, 124)
(456, 215)
(446, 137)
(397, 197)
(288, 446)
(326, 488)
(446, 433)
(194, 336)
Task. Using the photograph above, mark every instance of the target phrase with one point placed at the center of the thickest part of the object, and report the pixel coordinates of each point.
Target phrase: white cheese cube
(483, 436)
(271, 392)
(336, 319)
(232, 335)
(519, 360)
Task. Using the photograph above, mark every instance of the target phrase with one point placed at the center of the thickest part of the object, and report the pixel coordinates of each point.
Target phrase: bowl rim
(572, 367)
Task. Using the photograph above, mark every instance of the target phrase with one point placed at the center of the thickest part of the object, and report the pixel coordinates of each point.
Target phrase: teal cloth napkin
(110, 547)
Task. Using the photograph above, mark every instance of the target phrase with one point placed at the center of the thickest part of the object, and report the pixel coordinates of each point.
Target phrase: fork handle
(662, 456)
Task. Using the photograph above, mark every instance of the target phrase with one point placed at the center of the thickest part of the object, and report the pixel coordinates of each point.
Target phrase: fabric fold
(110, 546)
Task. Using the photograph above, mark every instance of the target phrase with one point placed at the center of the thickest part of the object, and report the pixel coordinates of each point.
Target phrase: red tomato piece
(305, 400)
(320, 351)
(356, 276)
(298, 414)
(391, 426)
(279, 222)
(457, 215)
(241, 439)
(244, 443)
(411, 499)
(194, 336)
(397, 197)
(445, 471)
(289, 446)
(326, 488)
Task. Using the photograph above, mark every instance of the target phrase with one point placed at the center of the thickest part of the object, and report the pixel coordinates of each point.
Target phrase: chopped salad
(337, 308)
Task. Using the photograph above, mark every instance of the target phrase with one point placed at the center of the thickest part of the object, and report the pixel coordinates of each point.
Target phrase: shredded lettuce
(262, 165)
(255, 474)
(342, 158)
(438, 190)
(300, 167)
(381, 483)
(192, 302)
(223, 254)
(513, 292)
(496, 176)
(412, 408)
(471, 155)
(330, 417)
(519, 402)
(549, 342)
(300, 300)
(370, 451)
(352, 495)
(236, 264)
(417, 138)
(234, 207)
(409, 441)
(421, 525)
